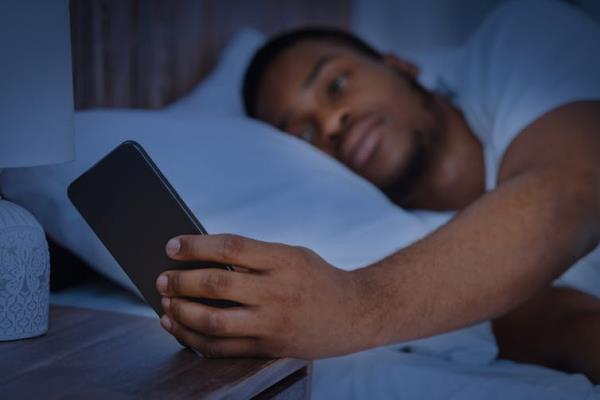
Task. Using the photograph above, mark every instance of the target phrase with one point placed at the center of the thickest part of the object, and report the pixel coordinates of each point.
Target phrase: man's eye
(338, 84)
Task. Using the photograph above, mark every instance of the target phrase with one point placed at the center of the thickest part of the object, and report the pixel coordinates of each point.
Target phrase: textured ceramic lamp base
(24, 274)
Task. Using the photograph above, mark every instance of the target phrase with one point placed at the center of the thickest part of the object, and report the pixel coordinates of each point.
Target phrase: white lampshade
(36, 87)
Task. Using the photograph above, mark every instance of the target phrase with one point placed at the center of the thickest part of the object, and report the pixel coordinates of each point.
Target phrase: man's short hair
(276, 46)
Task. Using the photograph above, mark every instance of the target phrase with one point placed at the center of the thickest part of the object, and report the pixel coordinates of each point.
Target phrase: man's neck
(455, 174)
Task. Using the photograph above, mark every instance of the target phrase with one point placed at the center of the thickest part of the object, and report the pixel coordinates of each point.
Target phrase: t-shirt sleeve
(528, 58)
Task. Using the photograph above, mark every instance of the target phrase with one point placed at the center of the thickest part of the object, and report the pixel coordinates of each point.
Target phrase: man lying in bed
(515, 149)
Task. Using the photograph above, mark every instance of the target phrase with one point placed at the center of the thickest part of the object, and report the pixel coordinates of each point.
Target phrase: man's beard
(426, 144)
(413, 173)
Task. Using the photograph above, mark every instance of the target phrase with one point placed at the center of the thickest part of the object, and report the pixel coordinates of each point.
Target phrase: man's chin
(385, 174)
(409, 179)
(377, 178)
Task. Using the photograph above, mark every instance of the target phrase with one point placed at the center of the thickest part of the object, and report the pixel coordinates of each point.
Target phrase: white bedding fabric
(384, 373)
(237, 176)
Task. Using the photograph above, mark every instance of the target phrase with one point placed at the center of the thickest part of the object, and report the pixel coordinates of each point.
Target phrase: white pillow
(237, 176)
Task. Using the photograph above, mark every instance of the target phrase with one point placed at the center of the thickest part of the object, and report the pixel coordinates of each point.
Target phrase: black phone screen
(134, 211)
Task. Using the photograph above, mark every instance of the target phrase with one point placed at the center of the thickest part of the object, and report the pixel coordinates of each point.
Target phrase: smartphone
(134, 211)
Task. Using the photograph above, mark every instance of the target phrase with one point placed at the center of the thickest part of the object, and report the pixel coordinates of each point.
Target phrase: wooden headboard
(147, 53)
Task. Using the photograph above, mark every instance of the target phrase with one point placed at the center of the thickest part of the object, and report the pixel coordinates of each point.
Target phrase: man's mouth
(361, 142)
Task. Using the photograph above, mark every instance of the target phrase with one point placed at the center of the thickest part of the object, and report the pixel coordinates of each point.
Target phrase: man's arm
(544, 215)
(512, 242)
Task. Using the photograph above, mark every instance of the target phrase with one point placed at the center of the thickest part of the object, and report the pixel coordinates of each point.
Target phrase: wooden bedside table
(97, 354)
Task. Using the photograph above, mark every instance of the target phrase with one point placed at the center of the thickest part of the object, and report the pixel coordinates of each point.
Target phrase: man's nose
(333, 123)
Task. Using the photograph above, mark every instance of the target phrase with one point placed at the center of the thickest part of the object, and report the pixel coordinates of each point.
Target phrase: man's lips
(361, 141)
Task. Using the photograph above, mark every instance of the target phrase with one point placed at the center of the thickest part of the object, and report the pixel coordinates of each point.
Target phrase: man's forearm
(492, 256)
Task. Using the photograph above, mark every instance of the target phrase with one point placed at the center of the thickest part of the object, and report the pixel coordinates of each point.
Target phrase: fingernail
(165, 322)
(165, 302)
(161, 283)
(173, 246)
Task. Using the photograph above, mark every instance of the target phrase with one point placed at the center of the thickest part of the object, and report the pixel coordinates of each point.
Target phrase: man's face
(369, 114)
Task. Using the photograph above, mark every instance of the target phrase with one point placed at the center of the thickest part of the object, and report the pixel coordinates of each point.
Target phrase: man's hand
(293, 303)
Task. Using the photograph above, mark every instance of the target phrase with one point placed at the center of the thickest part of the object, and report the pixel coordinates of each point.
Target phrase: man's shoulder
(528, 57)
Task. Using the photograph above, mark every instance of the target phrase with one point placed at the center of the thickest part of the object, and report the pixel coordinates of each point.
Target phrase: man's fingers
(210, 321)
(213, 347)
(211, 283)
(228, 249)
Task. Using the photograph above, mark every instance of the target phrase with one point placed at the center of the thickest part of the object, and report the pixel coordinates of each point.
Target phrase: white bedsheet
(385, 373)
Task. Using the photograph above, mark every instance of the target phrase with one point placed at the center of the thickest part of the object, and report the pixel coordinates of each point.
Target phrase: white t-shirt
(527, 58)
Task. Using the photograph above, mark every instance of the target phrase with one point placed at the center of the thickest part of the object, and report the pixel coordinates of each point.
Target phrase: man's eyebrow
(317, 69)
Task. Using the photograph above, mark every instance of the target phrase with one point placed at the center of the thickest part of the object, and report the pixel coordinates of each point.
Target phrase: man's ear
(394, 61)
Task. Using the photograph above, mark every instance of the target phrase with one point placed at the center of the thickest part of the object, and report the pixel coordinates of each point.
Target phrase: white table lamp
(36, 128)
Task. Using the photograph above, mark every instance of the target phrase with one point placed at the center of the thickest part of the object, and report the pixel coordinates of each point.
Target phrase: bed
(138, 66)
